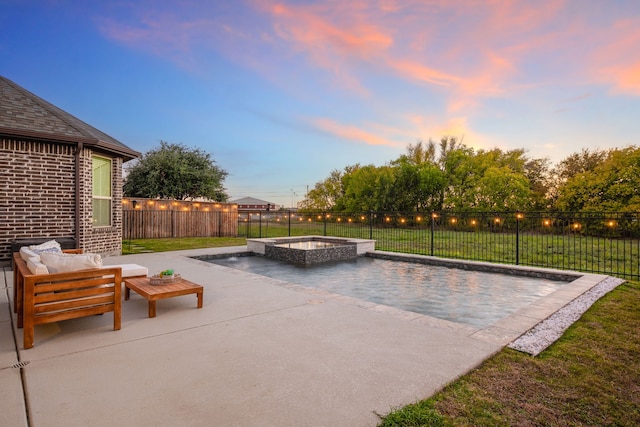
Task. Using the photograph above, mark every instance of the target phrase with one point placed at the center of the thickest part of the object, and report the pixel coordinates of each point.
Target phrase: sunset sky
(280, 93)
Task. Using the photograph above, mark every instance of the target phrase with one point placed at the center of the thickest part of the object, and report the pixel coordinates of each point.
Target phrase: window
(101, 191)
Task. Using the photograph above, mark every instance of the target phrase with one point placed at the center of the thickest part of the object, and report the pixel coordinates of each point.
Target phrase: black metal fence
(593, 242)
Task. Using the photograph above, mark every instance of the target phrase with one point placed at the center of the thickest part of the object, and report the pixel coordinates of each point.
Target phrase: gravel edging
(545, 333)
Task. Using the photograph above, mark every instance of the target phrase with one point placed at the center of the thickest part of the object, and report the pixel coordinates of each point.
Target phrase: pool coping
(502, 332)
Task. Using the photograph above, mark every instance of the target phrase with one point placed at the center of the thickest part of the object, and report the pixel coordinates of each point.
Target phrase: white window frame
(98, 197)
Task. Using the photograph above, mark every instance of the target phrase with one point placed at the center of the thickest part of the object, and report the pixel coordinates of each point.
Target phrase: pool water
(473, 298)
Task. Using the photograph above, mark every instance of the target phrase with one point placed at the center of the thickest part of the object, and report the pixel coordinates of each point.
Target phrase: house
(252, 204)
(59, 176)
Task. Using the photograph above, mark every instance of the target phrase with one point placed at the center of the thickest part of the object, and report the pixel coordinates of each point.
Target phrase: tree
(328, 195)
(174, 171)
(581, 162)
(418, 154)
(613, 185)
(575, 164)
(417, 187)
(538, 172)
(361, 189)
(459, 174)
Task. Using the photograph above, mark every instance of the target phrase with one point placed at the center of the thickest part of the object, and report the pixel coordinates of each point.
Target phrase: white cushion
(36, 267)
(27, 253)
(60, 263)
(130, 270)
(50, 246)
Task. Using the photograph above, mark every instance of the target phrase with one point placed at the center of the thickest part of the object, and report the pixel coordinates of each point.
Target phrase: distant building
(253, 204)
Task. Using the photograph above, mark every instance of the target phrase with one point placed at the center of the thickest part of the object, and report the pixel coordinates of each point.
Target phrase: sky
(281, 93)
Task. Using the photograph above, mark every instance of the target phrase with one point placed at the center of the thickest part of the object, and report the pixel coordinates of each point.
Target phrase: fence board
(153, 219)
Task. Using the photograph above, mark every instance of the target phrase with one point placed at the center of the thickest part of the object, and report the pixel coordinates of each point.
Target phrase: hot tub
(310, 249)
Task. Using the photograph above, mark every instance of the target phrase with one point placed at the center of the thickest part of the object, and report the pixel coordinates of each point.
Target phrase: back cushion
(61, 263)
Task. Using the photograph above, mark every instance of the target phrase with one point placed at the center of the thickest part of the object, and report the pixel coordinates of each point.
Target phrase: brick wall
(37, 196)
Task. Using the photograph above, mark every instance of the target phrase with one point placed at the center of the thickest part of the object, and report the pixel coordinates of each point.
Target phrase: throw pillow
(36, 267)
(27, 253)
(47, 247)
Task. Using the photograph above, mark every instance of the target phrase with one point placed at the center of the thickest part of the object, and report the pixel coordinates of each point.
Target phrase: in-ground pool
(474, 298)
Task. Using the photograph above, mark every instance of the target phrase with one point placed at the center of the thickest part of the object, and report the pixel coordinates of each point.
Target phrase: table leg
(200, 294)
(127, 293)
(152, 309)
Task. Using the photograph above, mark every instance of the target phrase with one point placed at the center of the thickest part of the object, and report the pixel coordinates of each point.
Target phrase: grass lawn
(590, 377)
(137, 246)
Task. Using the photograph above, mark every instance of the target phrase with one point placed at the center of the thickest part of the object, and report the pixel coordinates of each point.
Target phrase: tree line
(449, 175)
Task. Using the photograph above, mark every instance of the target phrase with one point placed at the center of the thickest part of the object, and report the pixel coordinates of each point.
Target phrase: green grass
(590, 377)
(137, 246)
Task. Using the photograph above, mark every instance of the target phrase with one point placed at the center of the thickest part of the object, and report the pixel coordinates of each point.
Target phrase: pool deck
(261, 352)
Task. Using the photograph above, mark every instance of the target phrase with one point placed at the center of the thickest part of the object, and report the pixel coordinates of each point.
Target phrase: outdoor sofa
(41, 296)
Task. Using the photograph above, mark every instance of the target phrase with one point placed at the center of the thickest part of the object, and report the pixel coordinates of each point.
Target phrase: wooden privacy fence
(152, 218)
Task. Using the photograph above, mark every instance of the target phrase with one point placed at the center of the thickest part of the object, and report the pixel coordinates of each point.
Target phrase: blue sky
(280, 93)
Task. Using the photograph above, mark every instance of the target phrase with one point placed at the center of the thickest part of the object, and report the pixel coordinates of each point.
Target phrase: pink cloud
(423, 73)
(628, 79)
(307, 27)
(352, 133)
(334, 36)
(617, 60)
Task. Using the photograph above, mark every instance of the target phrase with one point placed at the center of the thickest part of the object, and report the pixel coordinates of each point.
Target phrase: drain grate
(20, 365)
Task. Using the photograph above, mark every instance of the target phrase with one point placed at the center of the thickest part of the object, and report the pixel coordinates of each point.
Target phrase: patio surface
(259, 353)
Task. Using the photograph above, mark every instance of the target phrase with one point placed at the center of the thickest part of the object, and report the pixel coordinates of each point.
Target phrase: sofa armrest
(61, 296)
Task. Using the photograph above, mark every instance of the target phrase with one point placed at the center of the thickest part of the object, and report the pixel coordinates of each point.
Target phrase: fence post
(518, 215)
(433, 227)
(324, 223)
(130, 220)
(289, 223)
(370, 225)
(260, 225)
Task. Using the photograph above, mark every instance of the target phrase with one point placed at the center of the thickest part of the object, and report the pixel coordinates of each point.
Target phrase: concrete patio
(259, 353)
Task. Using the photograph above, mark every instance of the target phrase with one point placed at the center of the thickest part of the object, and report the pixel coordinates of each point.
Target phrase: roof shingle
(24, 114)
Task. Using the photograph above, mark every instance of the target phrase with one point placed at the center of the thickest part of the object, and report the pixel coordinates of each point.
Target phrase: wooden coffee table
(152, 293)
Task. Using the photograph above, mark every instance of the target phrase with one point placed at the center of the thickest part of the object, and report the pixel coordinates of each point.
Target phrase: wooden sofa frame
(47, 298)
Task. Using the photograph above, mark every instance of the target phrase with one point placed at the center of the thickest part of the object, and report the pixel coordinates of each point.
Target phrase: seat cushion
(131, 270)
(61, 263)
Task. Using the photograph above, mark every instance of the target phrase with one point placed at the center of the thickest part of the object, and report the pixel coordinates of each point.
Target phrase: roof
(23, 114)
(250, 201)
